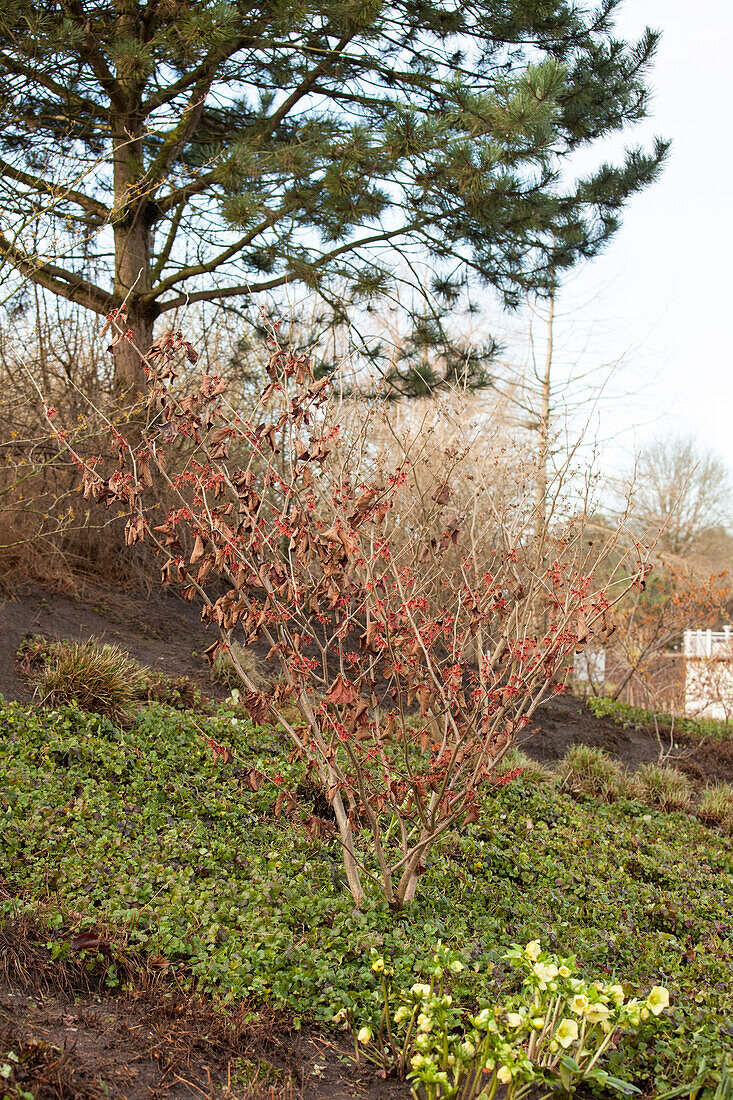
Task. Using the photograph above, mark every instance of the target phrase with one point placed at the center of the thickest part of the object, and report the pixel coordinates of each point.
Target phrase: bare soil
(164, 633)
(566, 720)
(65, 1037)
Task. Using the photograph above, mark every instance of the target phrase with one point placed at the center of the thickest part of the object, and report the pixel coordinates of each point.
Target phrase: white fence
(708, 643)
(709, 673)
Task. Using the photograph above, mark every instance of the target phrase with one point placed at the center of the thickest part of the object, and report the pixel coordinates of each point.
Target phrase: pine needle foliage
(171, 152)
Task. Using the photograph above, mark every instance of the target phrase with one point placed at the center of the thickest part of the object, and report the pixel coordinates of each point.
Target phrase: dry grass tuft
(716, 806)
(98, 678)
(224, 671)
(663, 786)
(588, 770)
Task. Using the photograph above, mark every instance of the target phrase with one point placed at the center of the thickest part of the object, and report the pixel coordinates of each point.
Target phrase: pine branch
(187, 191)
(165, 252)
(95, 59)
(36, 76)
(201, 269)
(308, 84)
(64, 283)
(215, 293)
(58, 191)
(179, 136)
(203, 72)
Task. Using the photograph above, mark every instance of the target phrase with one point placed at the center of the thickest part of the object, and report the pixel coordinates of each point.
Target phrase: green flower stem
(388, 1021)
(601, 1050)
(408, 1037)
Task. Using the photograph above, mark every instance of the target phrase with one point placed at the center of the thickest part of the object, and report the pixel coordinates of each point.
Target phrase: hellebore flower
(566, 1033)
(657, 1000)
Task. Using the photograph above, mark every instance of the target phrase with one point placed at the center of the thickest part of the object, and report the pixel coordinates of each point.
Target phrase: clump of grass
(716, 805)
(98, 678)
(663, 786)
(224, 671)
(532, 770)
(588, 770)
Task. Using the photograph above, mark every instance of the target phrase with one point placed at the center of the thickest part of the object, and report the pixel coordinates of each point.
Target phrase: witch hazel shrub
(413, 633)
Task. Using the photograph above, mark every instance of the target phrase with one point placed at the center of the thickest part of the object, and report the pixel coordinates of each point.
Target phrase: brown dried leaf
(341, 692)
(442, 494)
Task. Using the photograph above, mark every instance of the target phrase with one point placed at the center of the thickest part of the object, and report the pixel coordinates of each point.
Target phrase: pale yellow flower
(514, 1019)
(545, 972)
(579, 1003)
(504, 1075)
(421, 990)
(564, 972)
(597, 1014)
(402, 1013)
(456, 966)
(378, 965)
(658, 999)
(424, 1023)
(532, 950)
(566, 1033)
(616, 993)
(365, 1035)
(468, 1049)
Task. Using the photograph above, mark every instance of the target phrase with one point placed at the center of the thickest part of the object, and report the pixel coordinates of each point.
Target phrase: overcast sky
(660, 297)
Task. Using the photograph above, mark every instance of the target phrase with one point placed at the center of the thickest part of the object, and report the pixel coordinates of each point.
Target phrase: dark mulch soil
(163, 632)
(565, 720)
(75, 1040)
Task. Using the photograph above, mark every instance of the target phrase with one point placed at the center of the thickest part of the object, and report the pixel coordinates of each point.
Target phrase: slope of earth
(162, 632)
(566, 720)
(136, 843)
(166, 634)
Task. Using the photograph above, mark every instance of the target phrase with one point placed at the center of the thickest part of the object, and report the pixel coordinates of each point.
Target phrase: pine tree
(173, 151)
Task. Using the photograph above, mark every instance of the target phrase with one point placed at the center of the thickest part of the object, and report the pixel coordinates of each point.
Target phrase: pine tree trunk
(133, 213)
(132, 279)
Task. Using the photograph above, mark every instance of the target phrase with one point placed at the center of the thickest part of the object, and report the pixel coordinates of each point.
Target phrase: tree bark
(132, 242)
(133, 214)
(347, 842)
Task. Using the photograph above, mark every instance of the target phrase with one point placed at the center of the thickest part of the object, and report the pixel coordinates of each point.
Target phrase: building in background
(709, 673)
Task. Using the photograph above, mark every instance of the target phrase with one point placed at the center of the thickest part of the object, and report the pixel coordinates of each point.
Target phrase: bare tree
(682, 489)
